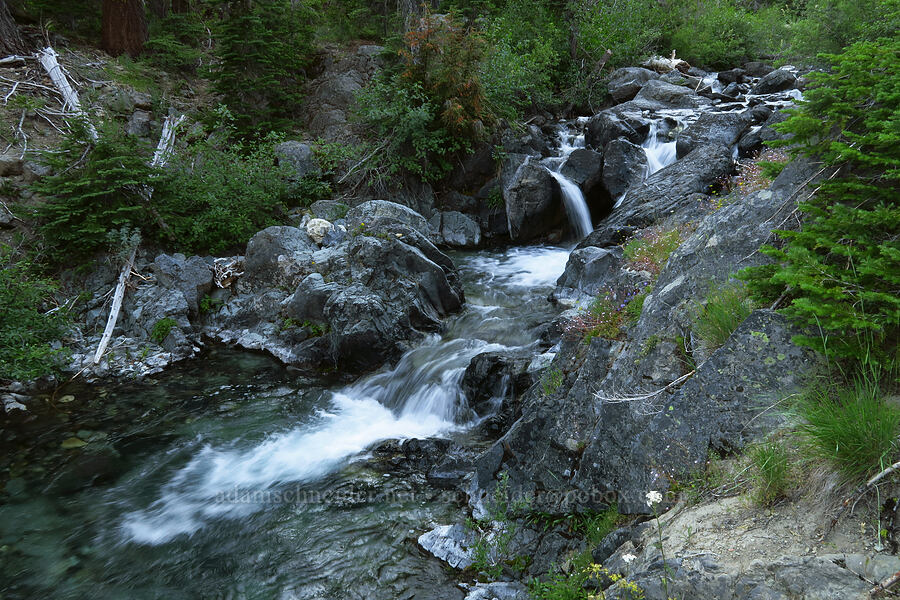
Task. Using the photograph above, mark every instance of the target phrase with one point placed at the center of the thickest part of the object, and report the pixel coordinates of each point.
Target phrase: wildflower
(628, 558)
(653, 497)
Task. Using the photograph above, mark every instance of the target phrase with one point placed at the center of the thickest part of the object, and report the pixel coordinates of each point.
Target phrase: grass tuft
(771, 467)
(726, 307)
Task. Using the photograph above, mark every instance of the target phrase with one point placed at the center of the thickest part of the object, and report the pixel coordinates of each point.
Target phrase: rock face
(298, 157)
(624, 166)
(712, 128)
(588, 270)
(614, 123)
(532, 202)
(458, 230)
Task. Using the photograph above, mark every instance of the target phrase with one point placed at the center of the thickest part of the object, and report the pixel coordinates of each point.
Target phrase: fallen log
(48, 59)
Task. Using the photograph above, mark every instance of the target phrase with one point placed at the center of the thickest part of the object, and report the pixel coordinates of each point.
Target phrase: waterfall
(573, 199)
(659, 154)
(576, 207)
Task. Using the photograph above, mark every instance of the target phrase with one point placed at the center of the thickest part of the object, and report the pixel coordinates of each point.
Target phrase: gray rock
(735, 75)
(613, 123)
(670, 192)
(532, 202)
(192, 277)
(657, 95)
(624, 166)
(588, 271)
(298, 157)
(459, 230)
(307, 303)
(493, 380)
(498, 590)
(712, 128)
(375, 215)
(776, 81)
(34, 171)
(625, 83)
(138, 124)
(10, 165)
(752, 141)
(758, 69)
(330, 210)
(449, 543)
(270, 251)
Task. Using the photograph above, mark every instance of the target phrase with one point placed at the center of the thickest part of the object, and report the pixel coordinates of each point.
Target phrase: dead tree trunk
(11, 41)
(124, 27)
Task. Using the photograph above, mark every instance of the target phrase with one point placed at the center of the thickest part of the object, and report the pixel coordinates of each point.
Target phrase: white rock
(317, 228)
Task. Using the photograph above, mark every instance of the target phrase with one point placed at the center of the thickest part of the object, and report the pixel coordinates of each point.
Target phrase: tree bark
(159, 8)
(11, 41)
(124, 27)
(181, 6)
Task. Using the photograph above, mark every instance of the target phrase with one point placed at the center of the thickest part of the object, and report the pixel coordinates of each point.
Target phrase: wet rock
(735, 75)
(758, 69)
(459, 230)
(588, 271)
(712, 128)
(449, 543)
(776, 81)
(297, 157)
(670, 192)
(492, 382)
(498, 590)
(584, 167)
(90, 467)
(753, 140)
(626, 82)
(624, 166)
(613, 123)
(532, 202)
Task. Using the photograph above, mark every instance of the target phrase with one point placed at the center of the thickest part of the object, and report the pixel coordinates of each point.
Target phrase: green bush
(720, 34)
(215, 198)
(161, 329)
(174, 41)
(852, 426)
(841, 271)
(428, 106)
(726, 307)
(27, 327)
(771, 466)
(93, 191)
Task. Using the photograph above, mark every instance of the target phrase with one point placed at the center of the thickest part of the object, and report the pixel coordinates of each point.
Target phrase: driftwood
(48, 60)
(883, 586)
(857, 494)
(116, 306)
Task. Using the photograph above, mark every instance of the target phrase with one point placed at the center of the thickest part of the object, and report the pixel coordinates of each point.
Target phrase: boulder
(584, 167)
(624, 166)
(10, 165)
(138, 124)
(776, 81)
(588, 271)
(613, 123)
(316, 229)
(307, 303)
(758, 69)
(297, 157)
(712, 128)
(493, 381)
(656, 95)
(753, 140)
(193, 277)
(269, 250)
(532, 202)
(735, 75)
(330, 210)
(364, 330)
(459, 230)
(376, 214)
(626, 82)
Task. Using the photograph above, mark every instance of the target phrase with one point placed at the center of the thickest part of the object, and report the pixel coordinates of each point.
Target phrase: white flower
(628, 558)
(653, 497)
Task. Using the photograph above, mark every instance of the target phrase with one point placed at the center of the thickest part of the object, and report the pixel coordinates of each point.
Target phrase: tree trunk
(181, 6)
(11, 41)
(159, 8)
(124, 27)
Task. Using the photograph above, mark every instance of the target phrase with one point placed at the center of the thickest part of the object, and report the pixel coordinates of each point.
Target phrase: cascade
(573, 199)
(659, 154)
